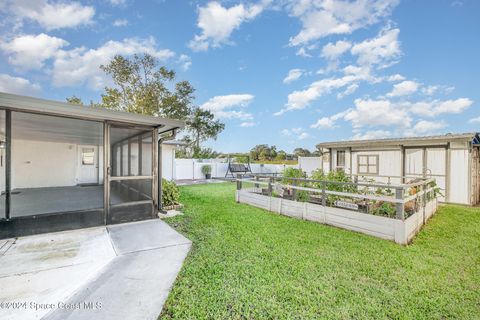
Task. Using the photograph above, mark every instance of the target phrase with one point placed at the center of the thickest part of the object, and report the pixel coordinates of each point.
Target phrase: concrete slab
(144, 235)
(134, 286)
(47, 269)
(116, 272)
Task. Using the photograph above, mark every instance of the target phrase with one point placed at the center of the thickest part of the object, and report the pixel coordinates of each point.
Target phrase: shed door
(436, 168)
(414, 162)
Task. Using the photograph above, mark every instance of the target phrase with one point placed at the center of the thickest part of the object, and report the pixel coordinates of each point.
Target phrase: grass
(246, 263)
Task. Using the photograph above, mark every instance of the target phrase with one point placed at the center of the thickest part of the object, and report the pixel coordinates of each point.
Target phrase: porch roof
(406, 141)
(51, 107)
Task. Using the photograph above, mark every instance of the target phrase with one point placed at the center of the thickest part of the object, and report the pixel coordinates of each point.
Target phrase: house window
(340, 159)
(367, 164)
(88, 156)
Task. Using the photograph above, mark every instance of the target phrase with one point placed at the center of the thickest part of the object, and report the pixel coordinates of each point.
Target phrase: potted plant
(207, 171)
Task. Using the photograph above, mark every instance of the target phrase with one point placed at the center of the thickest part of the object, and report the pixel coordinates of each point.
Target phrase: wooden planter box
(400, 231)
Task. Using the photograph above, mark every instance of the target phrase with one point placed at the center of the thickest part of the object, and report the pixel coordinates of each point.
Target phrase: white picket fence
(191, 169)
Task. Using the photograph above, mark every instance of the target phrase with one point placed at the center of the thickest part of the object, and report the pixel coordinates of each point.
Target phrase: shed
(65, 166)
(452, 159)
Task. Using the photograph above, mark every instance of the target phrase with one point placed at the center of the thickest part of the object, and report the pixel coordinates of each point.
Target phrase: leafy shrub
(290, 172)
(170, 193)
(206, 169)
(385, 209)
(334, 176)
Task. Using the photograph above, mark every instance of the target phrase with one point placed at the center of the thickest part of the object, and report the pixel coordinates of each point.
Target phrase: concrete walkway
(117, 272)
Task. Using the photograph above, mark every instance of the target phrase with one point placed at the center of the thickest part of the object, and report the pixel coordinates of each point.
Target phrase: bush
(301, 195)
(170, 193)
(206, 169)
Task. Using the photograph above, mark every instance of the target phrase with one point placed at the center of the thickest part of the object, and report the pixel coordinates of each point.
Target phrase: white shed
(452, 159)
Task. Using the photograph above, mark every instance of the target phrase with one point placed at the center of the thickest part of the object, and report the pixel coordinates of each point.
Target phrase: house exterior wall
(32, 163)
(168, 161)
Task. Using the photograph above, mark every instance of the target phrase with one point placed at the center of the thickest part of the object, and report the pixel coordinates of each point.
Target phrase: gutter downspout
(160, 141)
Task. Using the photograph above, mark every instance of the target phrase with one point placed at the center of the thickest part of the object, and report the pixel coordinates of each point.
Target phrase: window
(88, 156)
(367, 164)
(340, 159)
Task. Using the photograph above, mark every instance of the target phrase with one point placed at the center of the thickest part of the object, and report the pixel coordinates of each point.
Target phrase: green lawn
(247, 263)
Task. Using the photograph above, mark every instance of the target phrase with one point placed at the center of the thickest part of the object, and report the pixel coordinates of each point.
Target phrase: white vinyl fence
(191, 169)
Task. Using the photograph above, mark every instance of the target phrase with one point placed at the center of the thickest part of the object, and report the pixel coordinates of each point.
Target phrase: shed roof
(406, 141)
(37, 105)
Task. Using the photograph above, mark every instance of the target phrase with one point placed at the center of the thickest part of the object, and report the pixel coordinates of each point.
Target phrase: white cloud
(217, 23)
(329, 122)
(53, 15)
(474, 120)
(372, 134)
(332, 51)
(423, 127)
(298, 133)
(302, 52)
(322, 18)
(185, 62)
(31, 51)
(395, 78)
(117, 2)
(324, 123)
(222, 106)
(300, 99)
(82, 65)
(437, 107)
(377, 113)
(120, 23)
(404, 88)
(383, 50)
(247, 124)
(293, 74)
(17, 85)
(350, 90)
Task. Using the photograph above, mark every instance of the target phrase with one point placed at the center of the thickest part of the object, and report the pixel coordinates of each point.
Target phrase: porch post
(157, 173)
(106, 171)
(8, 162)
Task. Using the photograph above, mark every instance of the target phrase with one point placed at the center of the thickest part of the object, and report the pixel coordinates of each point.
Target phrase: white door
(414, 162)
(87, 164)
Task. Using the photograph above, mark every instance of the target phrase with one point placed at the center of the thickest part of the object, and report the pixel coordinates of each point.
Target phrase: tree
(75, 100)
(202, 126)
(263, 152)
(141, 87)
(281, 155)
(301, 152)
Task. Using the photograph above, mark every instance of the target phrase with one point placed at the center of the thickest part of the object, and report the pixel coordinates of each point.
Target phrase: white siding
(38, 164)
(413, 162)
(389, 162)
(459, 177)
(168, 161)
(436, 162)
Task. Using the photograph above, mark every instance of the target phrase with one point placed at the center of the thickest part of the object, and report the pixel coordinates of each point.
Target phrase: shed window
(340, 159)
(367, 164)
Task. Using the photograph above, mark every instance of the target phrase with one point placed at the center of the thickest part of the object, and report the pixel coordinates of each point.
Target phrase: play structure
(234, 168)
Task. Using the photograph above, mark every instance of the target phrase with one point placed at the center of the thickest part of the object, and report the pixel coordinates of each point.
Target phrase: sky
(290, 73)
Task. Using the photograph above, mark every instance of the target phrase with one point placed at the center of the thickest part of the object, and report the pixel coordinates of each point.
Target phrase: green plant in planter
(385, 209)
(207, 171)
(170, 193)
(301, 195)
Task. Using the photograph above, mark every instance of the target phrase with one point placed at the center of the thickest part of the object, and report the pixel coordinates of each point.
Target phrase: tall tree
(141, 87)
(202, 126)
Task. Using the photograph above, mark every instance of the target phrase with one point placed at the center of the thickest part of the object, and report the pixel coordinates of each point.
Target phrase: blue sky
(290, 73)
